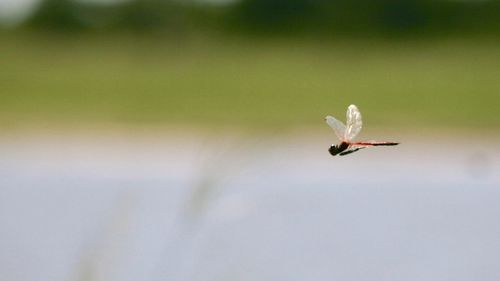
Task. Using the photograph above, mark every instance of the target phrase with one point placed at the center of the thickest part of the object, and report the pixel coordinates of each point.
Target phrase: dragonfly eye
(333, 150)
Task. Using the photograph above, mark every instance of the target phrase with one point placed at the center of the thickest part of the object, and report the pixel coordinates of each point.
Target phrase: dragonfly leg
(350, 151)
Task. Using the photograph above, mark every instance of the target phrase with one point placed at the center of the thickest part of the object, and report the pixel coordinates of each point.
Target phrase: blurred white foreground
(197, 207)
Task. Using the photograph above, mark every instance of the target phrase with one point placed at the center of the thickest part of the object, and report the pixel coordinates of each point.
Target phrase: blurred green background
(250, 63)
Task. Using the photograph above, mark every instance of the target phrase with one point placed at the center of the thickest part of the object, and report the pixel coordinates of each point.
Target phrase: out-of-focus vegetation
(121, 80)
(327, 19)
(253, 63)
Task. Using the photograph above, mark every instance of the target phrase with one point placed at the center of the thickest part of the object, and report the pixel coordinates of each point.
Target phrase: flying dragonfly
(346, 133)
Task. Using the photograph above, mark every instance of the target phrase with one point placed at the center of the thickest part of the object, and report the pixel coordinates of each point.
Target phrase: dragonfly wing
(354, 123)
(350, 151)
(337, 126)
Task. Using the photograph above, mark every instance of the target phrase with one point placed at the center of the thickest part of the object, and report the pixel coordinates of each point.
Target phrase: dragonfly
(346, 133)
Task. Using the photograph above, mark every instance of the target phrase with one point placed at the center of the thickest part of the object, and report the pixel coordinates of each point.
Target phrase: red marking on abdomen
(374, 143)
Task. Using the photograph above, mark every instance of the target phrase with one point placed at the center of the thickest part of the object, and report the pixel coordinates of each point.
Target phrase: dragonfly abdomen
(376, 143)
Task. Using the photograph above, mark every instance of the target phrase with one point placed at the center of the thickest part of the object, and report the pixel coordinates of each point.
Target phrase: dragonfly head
(336, 149)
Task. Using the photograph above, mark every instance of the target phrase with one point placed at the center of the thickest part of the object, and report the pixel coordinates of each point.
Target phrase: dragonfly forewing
(354, 123)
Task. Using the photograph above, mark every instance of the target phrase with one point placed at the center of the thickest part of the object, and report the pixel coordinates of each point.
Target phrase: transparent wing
(337, 126)
(354, 123)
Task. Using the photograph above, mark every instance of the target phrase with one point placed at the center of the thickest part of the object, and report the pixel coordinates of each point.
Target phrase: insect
(346, 133)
